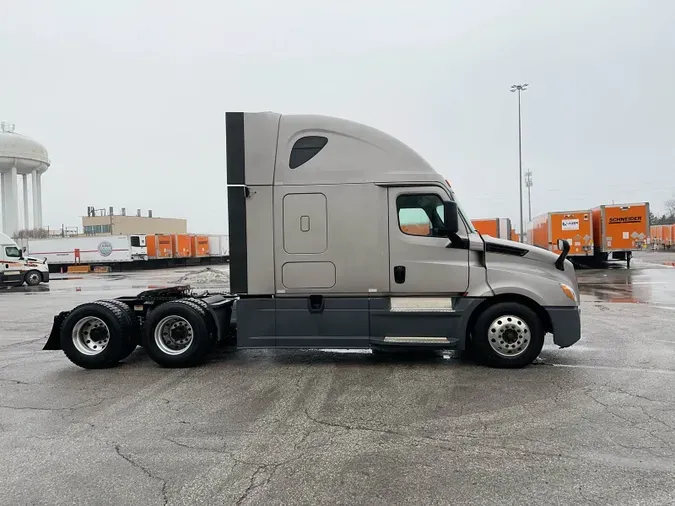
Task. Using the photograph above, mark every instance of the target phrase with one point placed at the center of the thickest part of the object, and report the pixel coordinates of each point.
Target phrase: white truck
(319, 259)
(15, 269)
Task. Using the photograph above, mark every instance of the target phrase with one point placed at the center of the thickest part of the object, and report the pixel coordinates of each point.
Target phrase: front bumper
(45, 277)
(566, 323)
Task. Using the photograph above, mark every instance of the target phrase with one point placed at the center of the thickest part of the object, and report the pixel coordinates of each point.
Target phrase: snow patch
(205, 277)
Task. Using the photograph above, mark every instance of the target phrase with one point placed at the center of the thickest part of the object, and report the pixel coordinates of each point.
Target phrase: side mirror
(450, 218)
(565, 247)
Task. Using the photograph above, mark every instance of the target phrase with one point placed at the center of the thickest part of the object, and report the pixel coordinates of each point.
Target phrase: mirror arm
(457, 242)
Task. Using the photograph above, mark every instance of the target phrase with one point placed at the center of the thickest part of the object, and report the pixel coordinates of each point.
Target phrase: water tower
(20, 156)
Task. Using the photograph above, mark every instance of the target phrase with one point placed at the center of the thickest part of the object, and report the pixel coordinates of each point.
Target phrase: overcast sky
(129, 96)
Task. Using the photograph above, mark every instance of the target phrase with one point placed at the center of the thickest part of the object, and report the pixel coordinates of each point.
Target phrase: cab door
(10, 270)
(421, 262)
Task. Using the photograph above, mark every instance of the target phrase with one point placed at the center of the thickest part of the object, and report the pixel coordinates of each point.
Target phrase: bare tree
(670, 206)
(35, 233)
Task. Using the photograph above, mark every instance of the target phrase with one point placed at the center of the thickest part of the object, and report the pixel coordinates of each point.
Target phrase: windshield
(12, 252)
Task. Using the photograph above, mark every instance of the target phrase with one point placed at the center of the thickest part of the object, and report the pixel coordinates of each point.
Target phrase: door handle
(399, 274)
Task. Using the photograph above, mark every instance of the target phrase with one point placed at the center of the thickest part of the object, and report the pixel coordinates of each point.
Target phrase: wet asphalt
(591, 424)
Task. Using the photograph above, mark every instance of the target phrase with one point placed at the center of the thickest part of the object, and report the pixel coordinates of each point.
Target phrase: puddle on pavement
(640, 285)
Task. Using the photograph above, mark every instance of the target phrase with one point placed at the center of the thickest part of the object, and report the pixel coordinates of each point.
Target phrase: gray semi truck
(341, 236)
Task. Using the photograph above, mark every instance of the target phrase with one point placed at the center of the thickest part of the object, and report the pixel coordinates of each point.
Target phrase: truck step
(425, 340)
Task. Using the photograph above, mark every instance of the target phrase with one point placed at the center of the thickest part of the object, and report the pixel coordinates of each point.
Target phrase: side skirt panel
(348, 322)
(435, 328)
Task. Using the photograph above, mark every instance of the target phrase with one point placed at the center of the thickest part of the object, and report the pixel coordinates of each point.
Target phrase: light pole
(520, 88)
(528, 184)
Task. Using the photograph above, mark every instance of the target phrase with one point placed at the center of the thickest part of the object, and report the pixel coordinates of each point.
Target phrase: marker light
(569, 292)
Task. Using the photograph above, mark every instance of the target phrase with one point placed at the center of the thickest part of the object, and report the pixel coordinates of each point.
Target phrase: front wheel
(506, 335)
(33, 278)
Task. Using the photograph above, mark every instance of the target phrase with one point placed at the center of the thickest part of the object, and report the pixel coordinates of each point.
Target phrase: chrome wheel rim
(173, 335)
(33, 278)
(509, 336)
(90, 335)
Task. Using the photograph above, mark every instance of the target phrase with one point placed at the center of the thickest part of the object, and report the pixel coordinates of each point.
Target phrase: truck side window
(12, 252)
(135, 241)
(305, 149)
(418, 214)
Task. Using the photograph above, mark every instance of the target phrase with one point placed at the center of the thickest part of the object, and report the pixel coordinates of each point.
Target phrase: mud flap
(54, 338)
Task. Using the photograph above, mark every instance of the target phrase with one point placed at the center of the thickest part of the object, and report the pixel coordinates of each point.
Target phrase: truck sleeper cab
(341, 236)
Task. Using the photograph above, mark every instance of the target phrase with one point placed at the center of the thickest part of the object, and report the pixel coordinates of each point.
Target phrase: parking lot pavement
(591, 424)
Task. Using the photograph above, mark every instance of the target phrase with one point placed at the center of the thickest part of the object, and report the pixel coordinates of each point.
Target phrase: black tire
(517, 330)
(120, 331)
(132, 322)
(201, 335)
(33, 278)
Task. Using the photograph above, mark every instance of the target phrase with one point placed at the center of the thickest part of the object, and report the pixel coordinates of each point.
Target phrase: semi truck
(16, 270)
(576, 227)
(619, 229)
(319, 259)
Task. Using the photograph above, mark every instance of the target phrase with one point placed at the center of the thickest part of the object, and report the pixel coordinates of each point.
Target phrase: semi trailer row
(594, 234)
(662, 236)
(399, 267)
(157, 249)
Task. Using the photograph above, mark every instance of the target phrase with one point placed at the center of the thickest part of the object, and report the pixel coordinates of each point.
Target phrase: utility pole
(528, 184)
(520, 88)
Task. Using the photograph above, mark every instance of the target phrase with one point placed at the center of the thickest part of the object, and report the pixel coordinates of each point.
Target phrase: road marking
(610, 368)
(649, 283)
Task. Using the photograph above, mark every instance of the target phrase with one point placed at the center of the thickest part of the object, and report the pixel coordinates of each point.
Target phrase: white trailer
(505, 228)
(89, 249)
(219, 246)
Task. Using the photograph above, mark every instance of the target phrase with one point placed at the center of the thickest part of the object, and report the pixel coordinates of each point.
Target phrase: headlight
(569, 292)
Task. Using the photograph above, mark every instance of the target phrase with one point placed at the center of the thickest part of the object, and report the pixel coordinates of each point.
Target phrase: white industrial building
(20, 156)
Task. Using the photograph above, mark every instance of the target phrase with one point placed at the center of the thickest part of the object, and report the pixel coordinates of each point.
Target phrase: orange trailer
(620, 229)
(182, 245)
(656, 235)
(499, 228)
(661, 236)
(576, 227)
(200, 245)
(666, 236)
(159, 246)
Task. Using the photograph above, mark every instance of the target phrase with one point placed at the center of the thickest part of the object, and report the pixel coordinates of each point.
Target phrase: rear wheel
(133, 323)
(179, 333)
(96, 335)
(33, 278)
(507, 334)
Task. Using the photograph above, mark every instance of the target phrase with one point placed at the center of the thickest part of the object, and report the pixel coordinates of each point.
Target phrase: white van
(15, 269)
